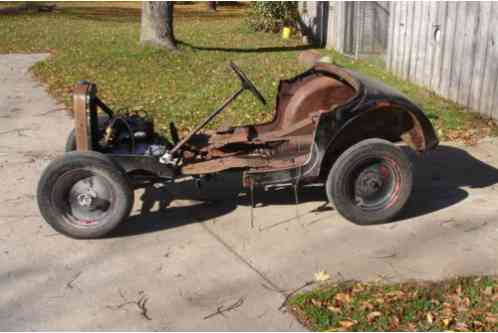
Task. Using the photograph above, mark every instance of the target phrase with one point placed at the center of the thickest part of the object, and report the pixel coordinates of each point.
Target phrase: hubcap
(84, 198)
(376, 184)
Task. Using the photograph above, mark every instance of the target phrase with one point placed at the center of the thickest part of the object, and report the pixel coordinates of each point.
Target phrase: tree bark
(212, 5)
(157, 24)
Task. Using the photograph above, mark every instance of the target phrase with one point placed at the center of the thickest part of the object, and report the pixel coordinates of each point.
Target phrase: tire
(103, 121)
(84, 195)
(370, 182)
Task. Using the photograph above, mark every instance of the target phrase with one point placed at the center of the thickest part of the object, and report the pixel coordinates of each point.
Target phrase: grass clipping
(460, 304)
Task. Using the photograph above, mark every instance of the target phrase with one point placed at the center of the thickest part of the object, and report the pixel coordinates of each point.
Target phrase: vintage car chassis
(320, 115)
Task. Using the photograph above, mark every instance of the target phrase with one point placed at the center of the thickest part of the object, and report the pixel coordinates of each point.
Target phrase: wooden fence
(448, 47)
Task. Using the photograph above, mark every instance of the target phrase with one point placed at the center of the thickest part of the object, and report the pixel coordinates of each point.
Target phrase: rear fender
(385, 120)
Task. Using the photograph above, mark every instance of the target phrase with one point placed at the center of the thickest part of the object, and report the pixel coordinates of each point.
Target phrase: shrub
(272, 15)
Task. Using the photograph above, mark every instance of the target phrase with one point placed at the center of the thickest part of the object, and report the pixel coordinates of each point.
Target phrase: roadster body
(331, 125)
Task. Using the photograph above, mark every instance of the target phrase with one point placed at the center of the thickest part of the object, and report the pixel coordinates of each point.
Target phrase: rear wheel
(370, 182)
(84, 195)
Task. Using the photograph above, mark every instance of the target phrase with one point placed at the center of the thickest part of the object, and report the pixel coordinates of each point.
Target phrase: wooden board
(81, 125)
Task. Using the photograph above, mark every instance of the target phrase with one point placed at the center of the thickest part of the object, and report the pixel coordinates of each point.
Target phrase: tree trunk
(212, 5)
(157, 24)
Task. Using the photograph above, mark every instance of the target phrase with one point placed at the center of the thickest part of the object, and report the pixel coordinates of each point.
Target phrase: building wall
(448, 47)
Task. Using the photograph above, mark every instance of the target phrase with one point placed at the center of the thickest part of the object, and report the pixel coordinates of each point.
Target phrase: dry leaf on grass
(461, 327)
(411, 327)
(488, 291)
(429, 317)
(493, 319)
(343, 298)
(322, 276)
(347, 323)
(373, 315)
(394, 322)
(334, 309)
(365, 305)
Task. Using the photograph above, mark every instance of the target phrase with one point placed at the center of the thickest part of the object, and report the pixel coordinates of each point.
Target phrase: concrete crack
(244, 260)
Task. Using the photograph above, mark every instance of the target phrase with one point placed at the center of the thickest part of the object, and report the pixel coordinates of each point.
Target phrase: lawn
(459, 304)
(99, 42)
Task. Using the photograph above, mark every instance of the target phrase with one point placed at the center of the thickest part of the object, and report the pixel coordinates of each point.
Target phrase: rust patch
(80, 110)
(220, 164)
(414, 138)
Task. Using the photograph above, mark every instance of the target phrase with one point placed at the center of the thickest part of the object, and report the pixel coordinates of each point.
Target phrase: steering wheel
(247, 84)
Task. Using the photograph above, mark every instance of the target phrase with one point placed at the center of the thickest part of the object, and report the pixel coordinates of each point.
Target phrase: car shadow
(439, 180)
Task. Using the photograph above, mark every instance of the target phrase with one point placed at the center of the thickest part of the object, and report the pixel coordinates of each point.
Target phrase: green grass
(100, 43)
(469, 303)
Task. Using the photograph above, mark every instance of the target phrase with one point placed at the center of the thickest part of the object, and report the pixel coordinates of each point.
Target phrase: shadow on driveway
(439, 178)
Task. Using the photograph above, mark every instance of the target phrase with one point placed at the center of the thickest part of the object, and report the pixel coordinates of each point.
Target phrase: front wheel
(370, 182)
(84, 195)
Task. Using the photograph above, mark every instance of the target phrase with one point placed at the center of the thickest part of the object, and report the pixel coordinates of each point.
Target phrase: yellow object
(286, 31)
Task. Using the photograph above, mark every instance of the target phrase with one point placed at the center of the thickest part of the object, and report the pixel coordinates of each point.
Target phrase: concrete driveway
(175, 268)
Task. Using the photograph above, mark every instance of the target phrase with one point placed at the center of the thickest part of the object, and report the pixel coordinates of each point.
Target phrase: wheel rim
(375, 184)
(83, 198)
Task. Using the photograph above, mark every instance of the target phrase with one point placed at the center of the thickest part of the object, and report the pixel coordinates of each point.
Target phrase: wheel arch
(387, 121)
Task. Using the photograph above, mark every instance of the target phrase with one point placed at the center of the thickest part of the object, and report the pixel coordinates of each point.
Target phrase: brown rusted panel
(221, 164)
(298, 100)
(240, 134)
(414, 138)
(318, 94)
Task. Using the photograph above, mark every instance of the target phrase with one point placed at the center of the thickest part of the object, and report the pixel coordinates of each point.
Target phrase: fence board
(467, 56)
(430, 44)
(461, 64)
(399, 52)
(442, 10)
(492, 97)
(481, 55)
(421, 43)
(448, 37)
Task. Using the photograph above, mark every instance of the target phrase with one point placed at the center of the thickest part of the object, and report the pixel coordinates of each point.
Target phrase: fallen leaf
(492, 319)
(365, 305)
(446, 322)
(358, 287)
(429, 317)
(461, 326)
(343, 298)
(347, 323)
(488, 291)
(379, 300)
(394, 323)
(373, 315)
(396, 293)
(334, 309)
(322, 276)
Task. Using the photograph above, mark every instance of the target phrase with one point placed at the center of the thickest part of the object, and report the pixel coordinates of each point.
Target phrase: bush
(272, 15)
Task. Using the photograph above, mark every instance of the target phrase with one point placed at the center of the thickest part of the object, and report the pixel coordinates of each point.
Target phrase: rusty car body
(325, 116)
